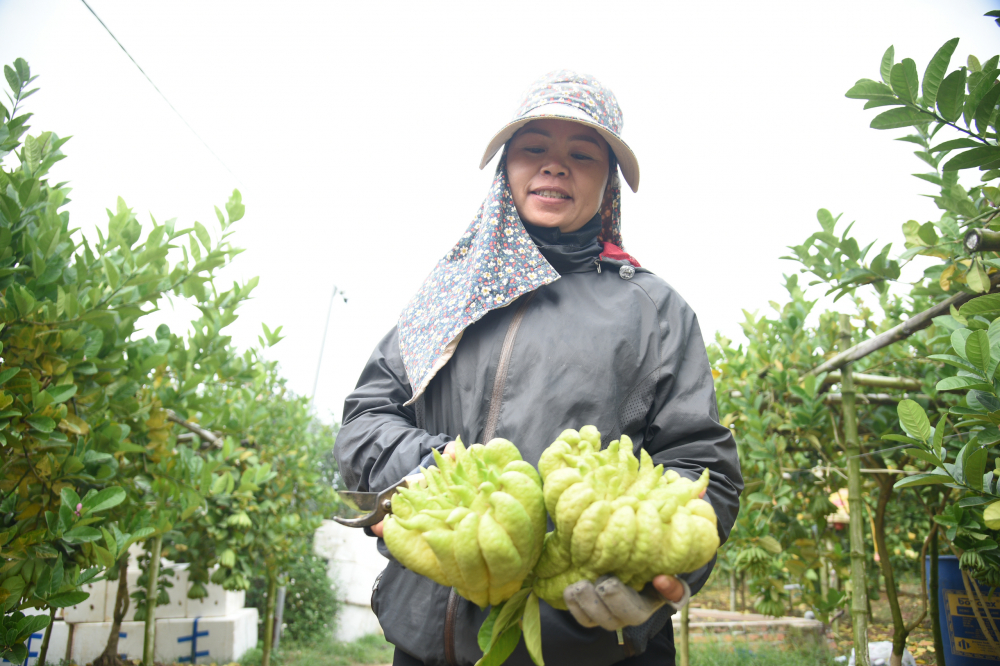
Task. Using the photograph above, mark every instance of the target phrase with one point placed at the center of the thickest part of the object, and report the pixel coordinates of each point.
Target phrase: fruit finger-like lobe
(615, 543)
(591, 435)
(648, 540)
(442, 543)
(525, 468)
(704, 543)
(677, 541)
(554, 560)
(421, 522)
(529, 494)
(553, 458)
(504, 592)
(573, 502)
(468, 556)
(512, 517)
(570, 436)
(413, 552)
(556, 484)
(502, 559)
(700, 507)
(550, 590)
(592, 521)
(499, 452)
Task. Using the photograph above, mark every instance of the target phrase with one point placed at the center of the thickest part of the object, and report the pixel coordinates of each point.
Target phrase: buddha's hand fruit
(475, 523)
(618, 515)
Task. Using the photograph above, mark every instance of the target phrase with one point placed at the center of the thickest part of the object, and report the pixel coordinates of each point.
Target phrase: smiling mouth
(551, 194)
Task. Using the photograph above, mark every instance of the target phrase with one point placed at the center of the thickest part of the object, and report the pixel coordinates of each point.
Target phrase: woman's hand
(449, 450)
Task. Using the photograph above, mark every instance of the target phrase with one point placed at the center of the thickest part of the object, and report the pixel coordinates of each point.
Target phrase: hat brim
(627, 161)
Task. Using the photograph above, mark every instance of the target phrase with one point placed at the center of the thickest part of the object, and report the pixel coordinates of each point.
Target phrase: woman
(590, 337)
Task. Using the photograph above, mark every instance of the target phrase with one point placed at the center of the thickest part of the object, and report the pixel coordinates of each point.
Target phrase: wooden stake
(152, 587)
(859, 591)
(685, 655)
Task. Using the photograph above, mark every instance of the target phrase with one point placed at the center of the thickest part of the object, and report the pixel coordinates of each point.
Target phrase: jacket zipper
(492, 418)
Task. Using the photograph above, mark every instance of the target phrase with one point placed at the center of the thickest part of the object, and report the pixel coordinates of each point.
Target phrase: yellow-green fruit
(475, 523)
(618, 514)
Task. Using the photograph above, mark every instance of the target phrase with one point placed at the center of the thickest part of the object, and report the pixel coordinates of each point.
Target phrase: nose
(554, 168)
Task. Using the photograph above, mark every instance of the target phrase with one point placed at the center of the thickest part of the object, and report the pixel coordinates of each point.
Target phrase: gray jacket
(599, 346)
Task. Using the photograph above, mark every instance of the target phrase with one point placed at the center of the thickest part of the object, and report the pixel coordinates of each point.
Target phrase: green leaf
(502, 647)
(957, 383)
(112, 272)
(986, 108)
(7, 374)
(972, 158)
(929, 479)
(901, 438)
(951, 96)
(30, 625)
(510, 613)
(981, 305)
(14, 586)
(104, 500)
(485, 636)
(939, 436)
(12, 80)
(202, 233)
(770, 544)
(936, 68)
(956, 143)
(901, 117)
(974, 466)
(991, 516)
(61, 393)
(67, 599)
(977, 94)
(904, 81)
(977, 350)
(41, 423)
(923, 455)
(868, 89)
(913, 418)
(81, 534)
(887, 61)
(531, 628)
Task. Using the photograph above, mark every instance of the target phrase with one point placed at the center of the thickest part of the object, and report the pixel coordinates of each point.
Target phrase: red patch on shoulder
(612, 251)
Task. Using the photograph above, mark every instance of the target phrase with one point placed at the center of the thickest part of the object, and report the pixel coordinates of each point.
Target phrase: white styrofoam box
(90, 639)
(353, 622)
(109, 602)
(219, 602)
(92, 608)
(355, 562)
(57, 644)
(210, 639)
(178, 594)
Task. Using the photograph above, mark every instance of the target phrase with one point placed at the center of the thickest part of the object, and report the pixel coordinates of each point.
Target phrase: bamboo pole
(732, 590)
(915, 323)
(153, 572)
(982, 240)
(860, 379)
(272, 590)
(859, 591)
(935, 612)
(43, 651)
(685, 655)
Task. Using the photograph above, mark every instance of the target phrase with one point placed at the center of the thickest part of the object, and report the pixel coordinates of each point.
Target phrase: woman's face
(558, 171)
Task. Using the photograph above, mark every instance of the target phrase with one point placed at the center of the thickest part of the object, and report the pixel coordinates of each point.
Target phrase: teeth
(552, 194)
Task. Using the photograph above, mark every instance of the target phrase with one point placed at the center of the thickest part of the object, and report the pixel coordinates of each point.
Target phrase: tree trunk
(152, 588)
(743, 593)
(732, 590)
(935, 601)
(900, 632)
(859, 590)
(272, 590)
(43, 651)
(685, 656)
(110, 655)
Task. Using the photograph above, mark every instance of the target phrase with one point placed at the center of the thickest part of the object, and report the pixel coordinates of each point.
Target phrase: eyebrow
(575, 137)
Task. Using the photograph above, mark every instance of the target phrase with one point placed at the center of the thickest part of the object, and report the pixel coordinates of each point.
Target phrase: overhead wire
(157, 89)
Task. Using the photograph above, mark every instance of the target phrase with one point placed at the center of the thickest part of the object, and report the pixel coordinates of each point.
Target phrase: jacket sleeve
(379, 442)
(682, 429)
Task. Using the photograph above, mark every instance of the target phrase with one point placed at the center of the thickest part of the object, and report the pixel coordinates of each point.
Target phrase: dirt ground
(920, 642)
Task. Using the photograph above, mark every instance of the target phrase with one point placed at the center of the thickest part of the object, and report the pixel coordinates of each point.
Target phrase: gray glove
(611, 605)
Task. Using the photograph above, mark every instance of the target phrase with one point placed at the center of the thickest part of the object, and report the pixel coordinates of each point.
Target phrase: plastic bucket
(964, 641)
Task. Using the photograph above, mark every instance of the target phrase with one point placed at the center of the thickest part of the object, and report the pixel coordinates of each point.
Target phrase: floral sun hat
(495, 261)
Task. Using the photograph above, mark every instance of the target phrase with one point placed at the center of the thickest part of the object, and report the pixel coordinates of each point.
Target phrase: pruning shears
(375, 506)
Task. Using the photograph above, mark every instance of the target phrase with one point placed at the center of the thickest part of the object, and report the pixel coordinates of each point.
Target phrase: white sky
(355, 130)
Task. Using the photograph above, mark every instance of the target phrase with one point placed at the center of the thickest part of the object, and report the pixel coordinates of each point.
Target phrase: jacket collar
(573, 252)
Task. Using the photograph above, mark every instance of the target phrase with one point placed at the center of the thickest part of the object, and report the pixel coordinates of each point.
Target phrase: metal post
(279, 616)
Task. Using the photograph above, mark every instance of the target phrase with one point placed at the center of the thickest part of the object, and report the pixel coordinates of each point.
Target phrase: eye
(582, 156)
(534, 150)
